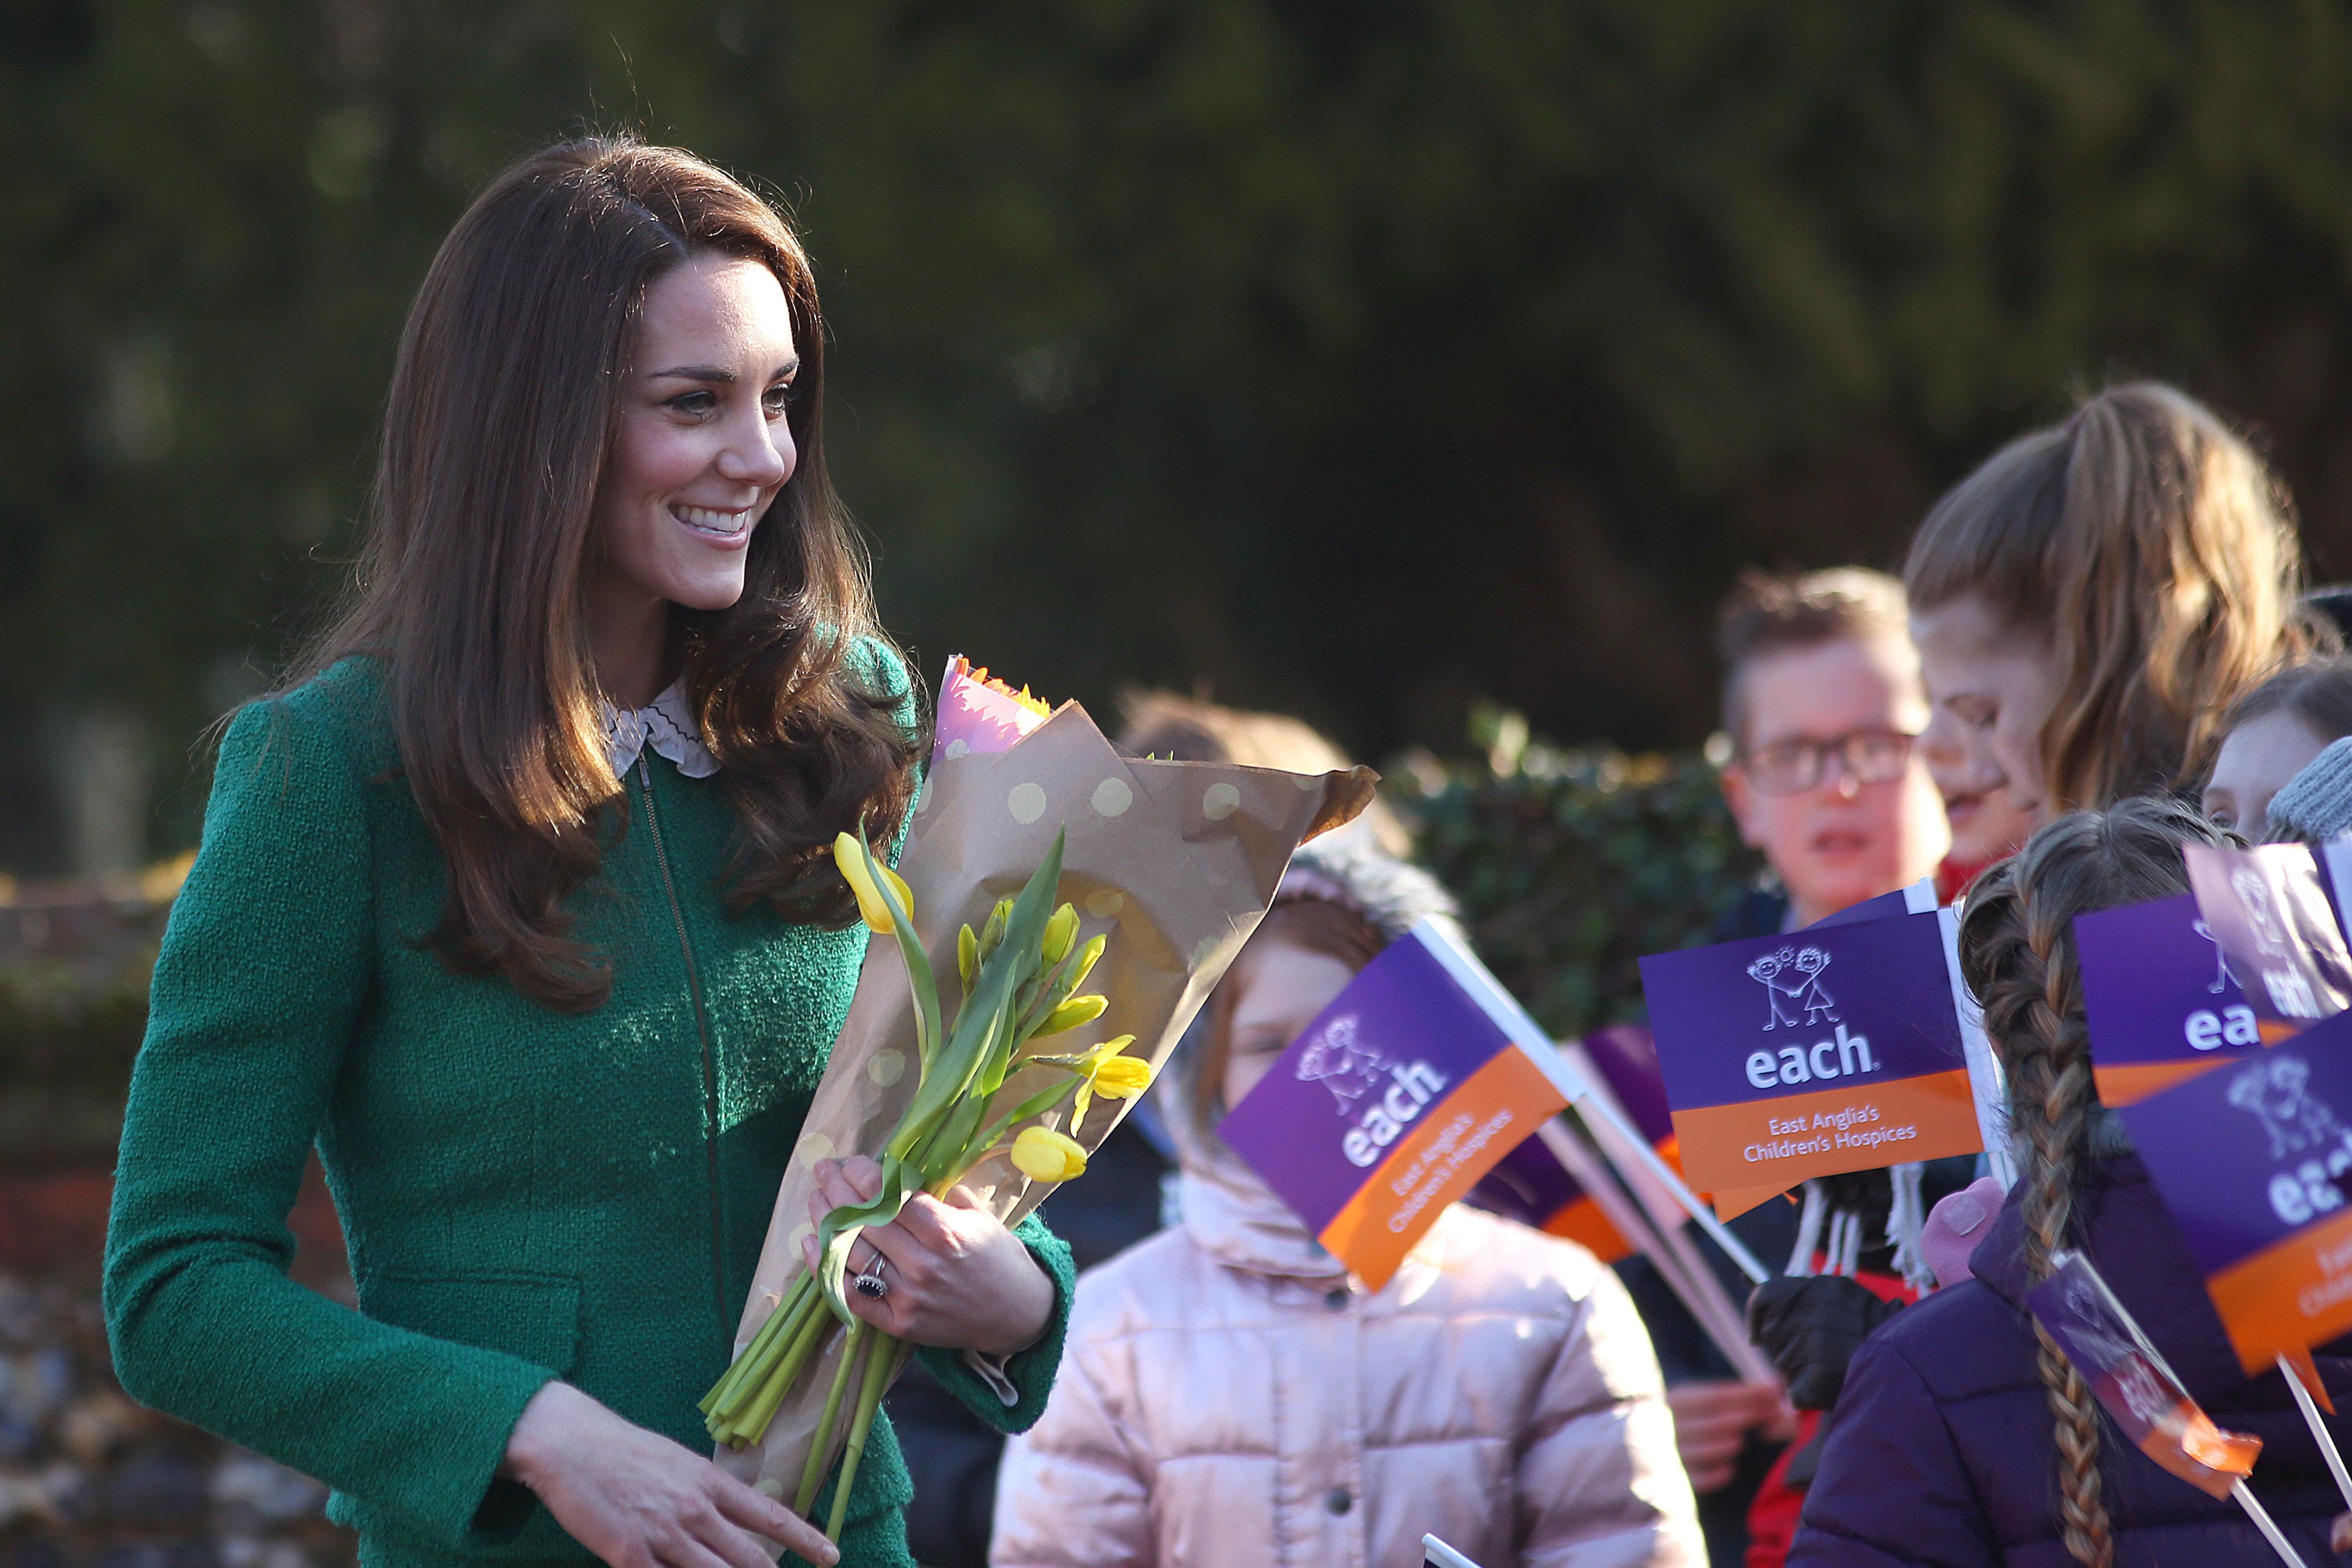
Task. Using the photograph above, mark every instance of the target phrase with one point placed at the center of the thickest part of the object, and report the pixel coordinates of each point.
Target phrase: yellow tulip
(1123, 1077)
(967, 956)
(849, 855)
(1043, 1155)
(1104, 1071)
(1088, 957)
(1070, 1014)
(1060, 931)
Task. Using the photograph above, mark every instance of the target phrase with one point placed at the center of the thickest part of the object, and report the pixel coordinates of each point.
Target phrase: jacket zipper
(702, 1032)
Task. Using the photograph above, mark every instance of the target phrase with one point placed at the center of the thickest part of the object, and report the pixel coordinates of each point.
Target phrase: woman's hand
(639, 1501)
(958, 1278)
(1712, 1421)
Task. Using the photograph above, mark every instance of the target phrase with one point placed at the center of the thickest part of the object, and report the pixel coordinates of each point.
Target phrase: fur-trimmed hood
(1228, 1209)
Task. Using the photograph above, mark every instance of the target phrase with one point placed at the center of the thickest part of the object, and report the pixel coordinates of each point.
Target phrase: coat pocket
(535, 1317)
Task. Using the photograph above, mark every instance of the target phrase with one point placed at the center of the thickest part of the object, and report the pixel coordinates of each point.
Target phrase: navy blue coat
(1940, 1450)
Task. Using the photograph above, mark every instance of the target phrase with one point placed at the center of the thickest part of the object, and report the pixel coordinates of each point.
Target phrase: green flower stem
(1051, 993)
(759, 1356)
(920, 986)
(820, 1446)
(941, 1156)
(806, 1347)
(753, 1425)
(728, 1397)
(882, 1363)
(979, 1148)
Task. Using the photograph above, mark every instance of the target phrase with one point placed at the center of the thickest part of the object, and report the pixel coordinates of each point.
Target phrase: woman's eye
(696, 403)
(779, 399)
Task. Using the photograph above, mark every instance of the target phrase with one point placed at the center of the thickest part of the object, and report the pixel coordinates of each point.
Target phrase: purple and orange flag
(1530, 1184)
(2160, 998)
(2138, 1391)
(2270, 915)
(2251, 1160)
(1398, 1100)
(1837, 1047)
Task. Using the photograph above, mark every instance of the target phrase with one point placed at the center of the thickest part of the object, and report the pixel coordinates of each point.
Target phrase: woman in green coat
(516, 904)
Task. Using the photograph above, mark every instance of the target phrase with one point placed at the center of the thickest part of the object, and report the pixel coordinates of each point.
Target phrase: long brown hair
(2016, 953)
(504, 398)
(2157, 553)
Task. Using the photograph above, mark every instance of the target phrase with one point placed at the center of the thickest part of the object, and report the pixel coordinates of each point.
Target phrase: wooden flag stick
(1479, 983)
(1665, 1210)
(2300, 1360)
(1436, 1554)
(1660, 1172)
(1706, 1297)
(1686, 1274)
(2262, 1521)
(2319, 1433)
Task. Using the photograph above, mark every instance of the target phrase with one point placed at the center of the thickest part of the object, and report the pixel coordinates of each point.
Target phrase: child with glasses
(1823, 704)
(1821, 701)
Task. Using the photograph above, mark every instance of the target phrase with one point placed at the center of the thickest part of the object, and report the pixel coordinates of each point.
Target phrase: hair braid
(2058, 1136)
(2080, 1506)
(2031, 1006)
(2016, 953)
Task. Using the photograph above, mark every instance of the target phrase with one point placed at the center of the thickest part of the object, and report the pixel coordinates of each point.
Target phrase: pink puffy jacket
(1229, 1400)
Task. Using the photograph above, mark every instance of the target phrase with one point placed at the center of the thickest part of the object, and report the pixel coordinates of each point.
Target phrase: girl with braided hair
(1962, 1436)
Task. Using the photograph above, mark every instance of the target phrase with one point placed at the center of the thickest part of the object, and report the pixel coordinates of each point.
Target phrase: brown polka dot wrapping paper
(1175, 862)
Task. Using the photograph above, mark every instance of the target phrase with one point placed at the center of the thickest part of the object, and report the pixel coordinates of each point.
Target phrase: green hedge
(1571, 864)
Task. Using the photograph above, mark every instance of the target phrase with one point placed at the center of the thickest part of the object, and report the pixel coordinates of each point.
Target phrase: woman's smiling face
(1990, 689)
(701, 445)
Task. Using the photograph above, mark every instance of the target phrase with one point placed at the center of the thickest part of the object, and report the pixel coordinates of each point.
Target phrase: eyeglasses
(1791, 766)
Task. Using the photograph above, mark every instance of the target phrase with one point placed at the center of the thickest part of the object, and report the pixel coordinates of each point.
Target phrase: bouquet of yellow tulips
(1021, 974)
(1071, 890)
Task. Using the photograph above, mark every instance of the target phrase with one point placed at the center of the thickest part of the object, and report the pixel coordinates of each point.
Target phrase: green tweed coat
(527, 1195)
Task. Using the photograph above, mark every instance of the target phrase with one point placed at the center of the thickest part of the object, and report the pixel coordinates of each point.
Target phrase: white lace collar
(667, 725)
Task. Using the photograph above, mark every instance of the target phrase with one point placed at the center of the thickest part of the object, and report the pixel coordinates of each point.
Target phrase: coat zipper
(709, 1057)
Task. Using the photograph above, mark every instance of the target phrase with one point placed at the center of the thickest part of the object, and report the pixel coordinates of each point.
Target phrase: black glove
(1811, 1327)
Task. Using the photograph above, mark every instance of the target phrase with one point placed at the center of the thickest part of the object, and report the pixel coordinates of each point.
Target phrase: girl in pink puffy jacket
(1230, 1396)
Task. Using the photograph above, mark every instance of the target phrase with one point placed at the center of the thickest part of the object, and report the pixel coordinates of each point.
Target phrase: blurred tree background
(1360, 360)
